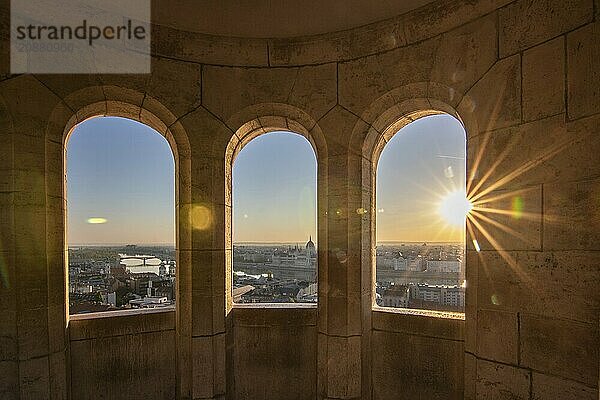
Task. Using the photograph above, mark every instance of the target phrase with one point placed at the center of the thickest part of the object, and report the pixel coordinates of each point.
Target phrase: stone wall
(524, 78)
(123, 356)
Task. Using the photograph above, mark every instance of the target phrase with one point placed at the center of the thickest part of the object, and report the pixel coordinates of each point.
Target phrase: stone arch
(401, 106)
(260, 119)
(61, 124)
(378, 124)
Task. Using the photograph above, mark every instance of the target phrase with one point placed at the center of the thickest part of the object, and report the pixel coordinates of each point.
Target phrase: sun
(454, 207)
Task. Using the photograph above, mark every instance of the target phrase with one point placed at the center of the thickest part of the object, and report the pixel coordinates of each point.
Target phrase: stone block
(130, 366)
(274, 362)
(126, 323)
(548, 278)
(29, 241)
(544, 80)
(543, 151)
(59, 389)
(497, 336)
(228, 91)
(498, 283)
(176, 85)
(337, 316)
(9, 380)
(32, 326)
(470, 323)
(76, 90)
(31, 105)
(572, 215)
(211, 136)
(421, 367)
(339, 124)
(34, 379)
(506, 220)
(367, 79)
(583, 66)
(538, 282)
(465, 54)
(501, 382)
(8, 336)
(470, 392)
(57, 328)
(343, 367)
(202, 369)
(208, 314)
(435, 327)
(560, 347)
(8, 290)
(208, 230)
(545, 387)
(526, 23)
(495, 100)
(208, 49)
(219, 364)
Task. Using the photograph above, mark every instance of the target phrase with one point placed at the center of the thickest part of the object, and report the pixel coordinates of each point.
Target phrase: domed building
(311, 250)
(522, 77)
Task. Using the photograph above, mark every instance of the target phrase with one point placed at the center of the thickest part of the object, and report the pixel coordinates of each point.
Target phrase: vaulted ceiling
(276, 18)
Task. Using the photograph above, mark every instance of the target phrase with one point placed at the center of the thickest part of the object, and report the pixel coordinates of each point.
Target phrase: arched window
(120, 217)
(421, 207)
(274, 221)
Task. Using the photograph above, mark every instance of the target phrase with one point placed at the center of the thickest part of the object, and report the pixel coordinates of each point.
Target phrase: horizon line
(257, 243)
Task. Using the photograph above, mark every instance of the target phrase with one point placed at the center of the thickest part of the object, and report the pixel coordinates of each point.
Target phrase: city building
(395, 296)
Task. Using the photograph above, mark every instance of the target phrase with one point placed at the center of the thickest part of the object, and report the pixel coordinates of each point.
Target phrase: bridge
(142, 258)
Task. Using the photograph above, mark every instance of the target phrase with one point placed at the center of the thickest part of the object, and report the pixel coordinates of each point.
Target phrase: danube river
(136, 266)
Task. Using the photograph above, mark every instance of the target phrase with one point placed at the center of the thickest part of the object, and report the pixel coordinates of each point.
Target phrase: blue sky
(274, 190)
(421, 164)
(123, 171)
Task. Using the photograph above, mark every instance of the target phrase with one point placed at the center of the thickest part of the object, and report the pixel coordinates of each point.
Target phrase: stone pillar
(206, 253)
(344, 298)
(32, 258)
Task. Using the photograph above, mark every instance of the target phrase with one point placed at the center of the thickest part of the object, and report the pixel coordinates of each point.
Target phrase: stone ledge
(120, 323)
(435, 324)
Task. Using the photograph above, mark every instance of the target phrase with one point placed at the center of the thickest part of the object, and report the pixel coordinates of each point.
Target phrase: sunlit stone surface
(523, 78)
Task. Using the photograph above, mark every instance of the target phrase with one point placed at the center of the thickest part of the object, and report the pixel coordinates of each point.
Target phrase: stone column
(207, 253)
(32, 258)
(344, 298)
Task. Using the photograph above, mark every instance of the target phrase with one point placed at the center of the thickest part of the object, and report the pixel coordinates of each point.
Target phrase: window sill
(121, 313)
(121, 323)
(275, 305)
(424, 323)
(422, 313)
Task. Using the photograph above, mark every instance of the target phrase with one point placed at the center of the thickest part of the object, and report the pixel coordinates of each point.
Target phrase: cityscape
(426, 276)
(272, 201)
(110, 278)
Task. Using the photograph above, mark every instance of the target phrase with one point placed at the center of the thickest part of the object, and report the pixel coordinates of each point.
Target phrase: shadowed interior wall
(273, 353)
(523, 76)
(427, 362)
(128, 357)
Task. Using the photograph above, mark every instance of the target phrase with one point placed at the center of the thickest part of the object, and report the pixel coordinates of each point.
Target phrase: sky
(122, 172)
(275, 189)
(418, 167)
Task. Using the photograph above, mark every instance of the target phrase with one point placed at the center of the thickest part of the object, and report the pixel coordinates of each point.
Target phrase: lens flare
(96, 220)
(455, 207)
(517, 207)
(201, 217)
